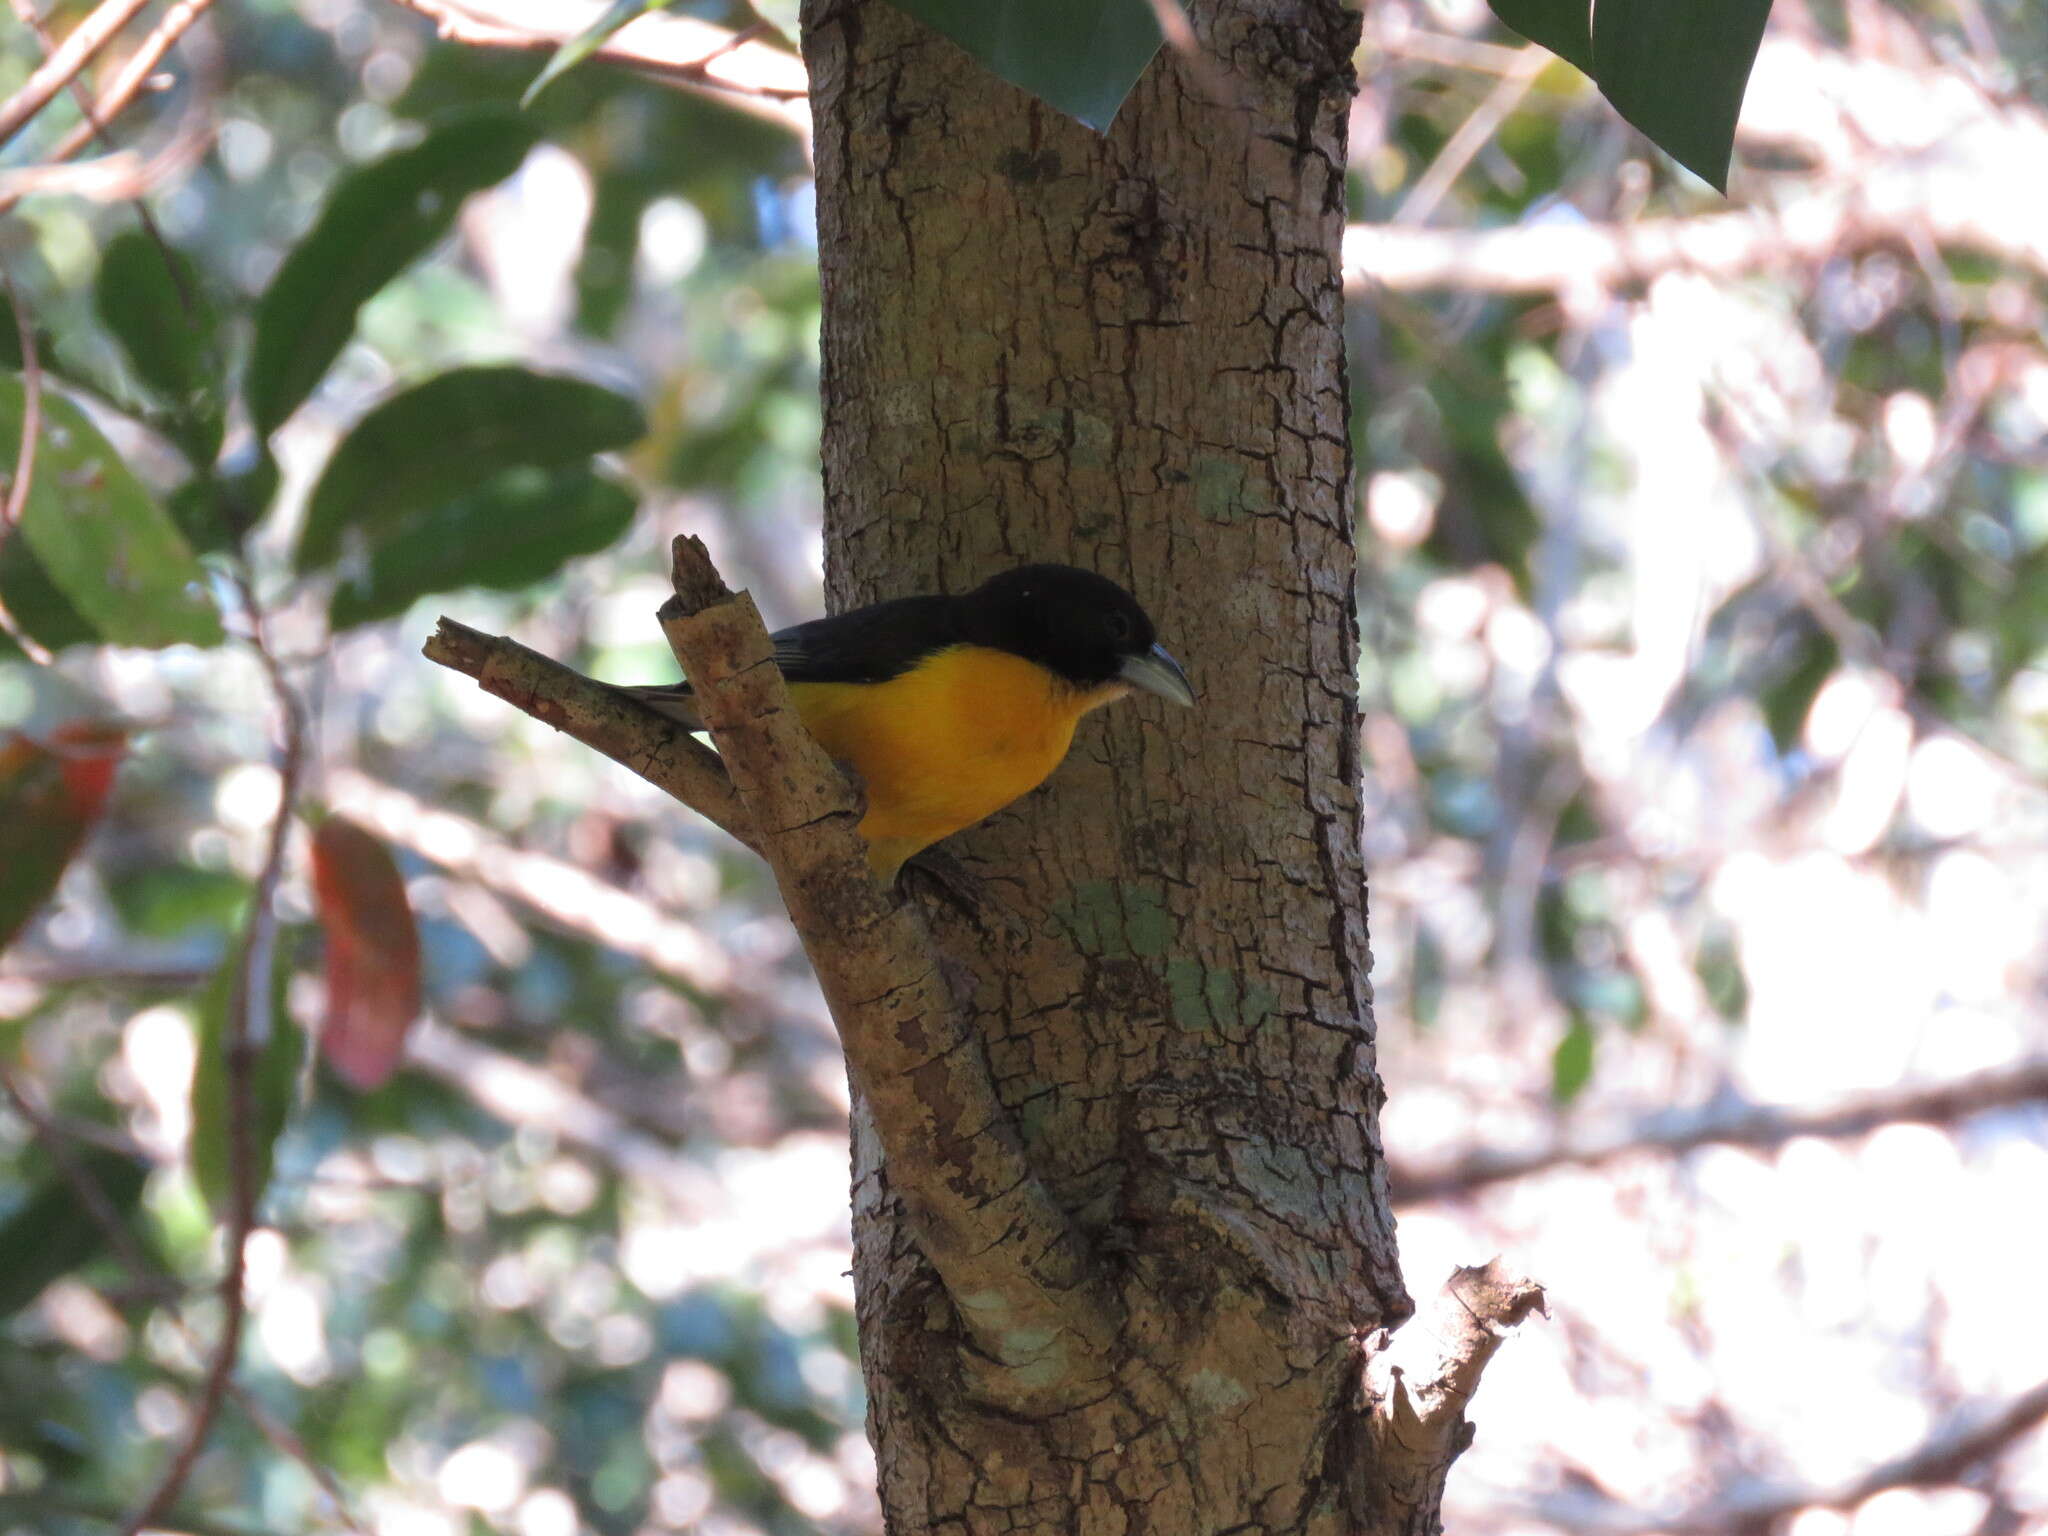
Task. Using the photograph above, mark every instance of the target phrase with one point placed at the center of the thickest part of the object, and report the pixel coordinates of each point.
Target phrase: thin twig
(249, 998)
(24, 457)
(1202, 67)
(63, 64)
(1472, 136)
(149, 1281)
(1746, 1125)
(97, 1206)
(96, 127)
(678, 50)
(118, 96)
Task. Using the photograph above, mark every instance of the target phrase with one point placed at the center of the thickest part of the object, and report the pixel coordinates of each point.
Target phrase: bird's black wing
(869, 645)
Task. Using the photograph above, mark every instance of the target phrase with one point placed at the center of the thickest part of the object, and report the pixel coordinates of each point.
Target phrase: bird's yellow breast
(954, 739)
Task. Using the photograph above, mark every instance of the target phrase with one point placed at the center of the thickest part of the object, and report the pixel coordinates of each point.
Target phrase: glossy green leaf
(1571, 1064)
(51, 793)
(1677, 70)
(440, 440)
(170, 331)
(103, 542)
(1565, 27)
(520, 528)
(377, 222)
(53, 1232)
(272, 1084)
(589, 40)
(1080, 56)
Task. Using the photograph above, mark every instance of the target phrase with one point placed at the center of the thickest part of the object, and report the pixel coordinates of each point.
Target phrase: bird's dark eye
(1119, 626)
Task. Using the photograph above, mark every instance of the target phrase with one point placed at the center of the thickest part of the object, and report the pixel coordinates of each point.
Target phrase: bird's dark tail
(672, 699)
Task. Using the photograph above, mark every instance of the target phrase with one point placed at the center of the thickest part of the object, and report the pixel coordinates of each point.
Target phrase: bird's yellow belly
(954, 739)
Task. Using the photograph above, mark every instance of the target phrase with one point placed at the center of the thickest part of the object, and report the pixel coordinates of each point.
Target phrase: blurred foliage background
(1705, 591)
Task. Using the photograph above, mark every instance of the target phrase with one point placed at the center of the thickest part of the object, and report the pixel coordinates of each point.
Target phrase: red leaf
(373, 953)
(50, 795)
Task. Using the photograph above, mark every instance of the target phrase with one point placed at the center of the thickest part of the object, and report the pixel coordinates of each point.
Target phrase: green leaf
(171, 334)
(1677, 70)
(377, 222)
(53, 1232)
(1674, 68)
(112, 551)
(214, 509)
(38, 607)
(1565, 27)
(10, 334)
(1571, 1064)
(519, 529)
(273, 1081)
(588, 41)
(175, 900)
(1080, 56)
(439, 440)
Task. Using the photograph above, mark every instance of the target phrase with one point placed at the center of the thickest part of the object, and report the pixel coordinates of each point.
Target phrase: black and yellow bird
(949, 708)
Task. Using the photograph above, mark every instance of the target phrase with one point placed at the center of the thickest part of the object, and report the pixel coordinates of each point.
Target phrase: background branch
(750, 76)
(1970, 1439)
(1744, 1125)
(64, 63)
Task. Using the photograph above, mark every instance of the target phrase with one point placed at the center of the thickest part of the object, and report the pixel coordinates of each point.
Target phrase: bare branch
(1030, 1295)
(1023, 1278)
(63, 65)
(120, 175)
(1743, 1125)
(599, 716)
(1417, 1388)
(1472, 136)
(1932, 173)
(746, 74)
(149, 1281)
(1970, 1439)
(120, 1241)
(23, 476)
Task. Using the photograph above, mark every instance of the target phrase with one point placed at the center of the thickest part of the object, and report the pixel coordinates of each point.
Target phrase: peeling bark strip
(1416, 1392)
(1127, 352)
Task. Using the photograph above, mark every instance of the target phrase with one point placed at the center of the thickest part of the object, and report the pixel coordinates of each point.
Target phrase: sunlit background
(1705, 594)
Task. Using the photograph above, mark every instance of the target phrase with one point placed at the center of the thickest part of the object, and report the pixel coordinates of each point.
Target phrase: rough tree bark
(1126, 352)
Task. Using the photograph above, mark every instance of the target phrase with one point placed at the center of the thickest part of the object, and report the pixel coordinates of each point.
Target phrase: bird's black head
(1080, 626)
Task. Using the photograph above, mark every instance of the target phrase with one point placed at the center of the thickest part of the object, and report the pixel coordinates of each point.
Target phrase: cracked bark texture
(1126, 352)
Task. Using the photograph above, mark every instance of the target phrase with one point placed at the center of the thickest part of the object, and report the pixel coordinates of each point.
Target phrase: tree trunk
(1126, 352)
